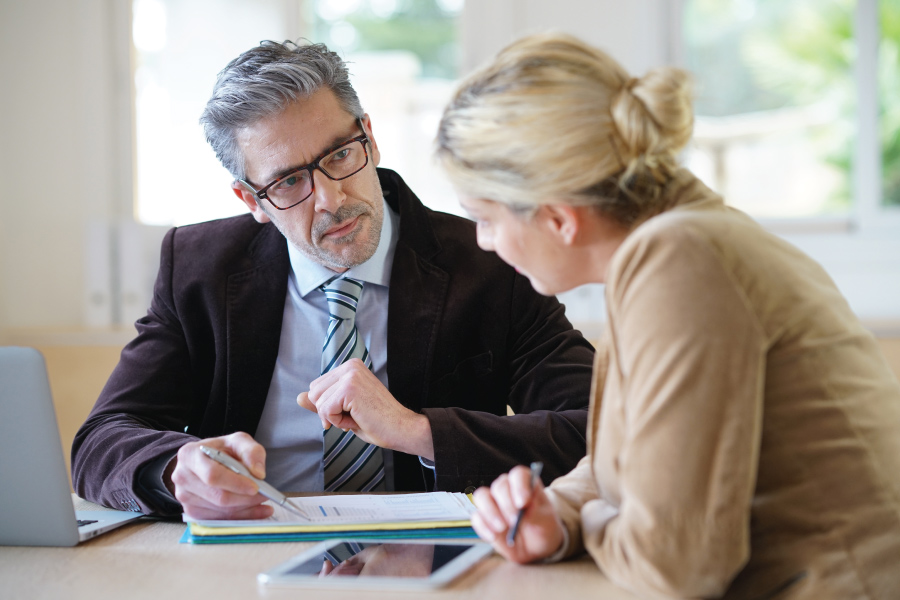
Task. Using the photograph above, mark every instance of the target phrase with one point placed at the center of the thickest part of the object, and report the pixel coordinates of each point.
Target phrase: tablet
(394, 564)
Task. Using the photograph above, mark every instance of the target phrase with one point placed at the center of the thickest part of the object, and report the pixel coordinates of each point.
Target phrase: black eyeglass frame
(262, 194)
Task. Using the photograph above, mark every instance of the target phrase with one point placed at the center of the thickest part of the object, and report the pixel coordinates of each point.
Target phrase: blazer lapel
(255, 308)
(416, 307)
(417, 297)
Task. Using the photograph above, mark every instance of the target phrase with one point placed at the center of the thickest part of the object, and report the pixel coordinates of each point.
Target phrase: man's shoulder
(233, 232)
(450, 226)
(214, 229)
(224, 242)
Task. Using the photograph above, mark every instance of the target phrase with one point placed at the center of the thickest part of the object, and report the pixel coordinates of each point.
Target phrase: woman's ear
(563, 220)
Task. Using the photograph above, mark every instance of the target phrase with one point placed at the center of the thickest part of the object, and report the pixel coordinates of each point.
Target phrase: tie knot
(342, 295)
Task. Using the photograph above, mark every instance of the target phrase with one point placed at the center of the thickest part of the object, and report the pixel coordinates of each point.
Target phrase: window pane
(180, 47)
(889, 91)
(775, 102)
(403, 59)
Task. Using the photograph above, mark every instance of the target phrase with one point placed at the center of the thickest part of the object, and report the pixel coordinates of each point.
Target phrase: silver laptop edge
(35, 497)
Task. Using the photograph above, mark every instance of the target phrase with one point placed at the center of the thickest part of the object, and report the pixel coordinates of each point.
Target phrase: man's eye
(288, 182)
(341, 154)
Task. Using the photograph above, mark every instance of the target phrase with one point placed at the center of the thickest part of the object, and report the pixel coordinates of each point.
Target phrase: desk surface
(145, 560)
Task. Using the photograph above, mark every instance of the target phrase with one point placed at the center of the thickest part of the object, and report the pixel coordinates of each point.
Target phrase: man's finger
(197, 508)
(345, 422)
(196, 471)
(248, 451)
(304, 402)
(326, 380)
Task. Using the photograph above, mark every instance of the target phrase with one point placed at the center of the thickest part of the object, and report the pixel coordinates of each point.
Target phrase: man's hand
(540, 531)
(351, 397)
(208, 490)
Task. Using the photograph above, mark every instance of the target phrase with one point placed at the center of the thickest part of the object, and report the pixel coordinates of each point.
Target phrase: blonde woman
(744, 438)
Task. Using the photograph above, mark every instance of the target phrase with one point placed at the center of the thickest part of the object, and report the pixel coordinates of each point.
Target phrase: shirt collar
(377, 270)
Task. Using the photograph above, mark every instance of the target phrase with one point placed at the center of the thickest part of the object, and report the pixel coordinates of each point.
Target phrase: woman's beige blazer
(744, 436)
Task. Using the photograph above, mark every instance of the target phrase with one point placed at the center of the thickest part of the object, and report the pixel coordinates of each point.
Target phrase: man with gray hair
(341, 293)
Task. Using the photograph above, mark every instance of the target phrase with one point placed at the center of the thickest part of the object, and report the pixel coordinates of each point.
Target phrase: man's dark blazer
(467, 335)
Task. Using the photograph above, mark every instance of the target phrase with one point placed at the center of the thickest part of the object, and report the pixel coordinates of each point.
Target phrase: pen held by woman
(536, 468)
(539, 531)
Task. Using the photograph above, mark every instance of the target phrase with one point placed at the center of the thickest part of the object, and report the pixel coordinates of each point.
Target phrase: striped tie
(341, 552)
(351, 465)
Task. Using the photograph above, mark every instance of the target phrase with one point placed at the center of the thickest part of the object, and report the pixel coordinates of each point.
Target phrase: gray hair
(263, 81)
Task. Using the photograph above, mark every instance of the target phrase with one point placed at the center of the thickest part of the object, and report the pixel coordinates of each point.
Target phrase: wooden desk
(145, 560)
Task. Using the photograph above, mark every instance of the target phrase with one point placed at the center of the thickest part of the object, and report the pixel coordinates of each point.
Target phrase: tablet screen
(359, 563)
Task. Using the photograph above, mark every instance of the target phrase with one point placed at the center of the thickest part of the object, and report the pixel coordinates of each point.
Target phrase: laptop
(36, 506)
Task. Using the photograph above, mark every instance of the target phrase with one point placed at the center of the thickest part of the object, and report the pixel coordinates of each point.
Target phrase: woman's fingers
(539, 534)
(488, 511)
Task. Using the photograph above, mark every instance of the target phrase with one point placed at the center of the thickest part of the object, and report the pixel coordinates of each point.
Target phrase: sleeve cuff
(562, 551)
(150, 482)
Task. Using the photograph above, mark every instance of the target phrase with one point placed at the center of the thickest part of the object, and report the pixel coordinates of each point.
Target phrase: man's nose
(328, 194)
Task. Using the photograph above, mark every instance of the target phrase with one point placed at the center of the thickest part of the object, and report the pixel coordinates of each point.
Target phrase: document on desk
(380, 515)
(362, 508)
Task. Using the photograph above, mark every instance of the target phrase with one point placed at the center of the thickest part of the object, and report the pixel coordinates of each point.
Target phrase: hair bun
(654, 117)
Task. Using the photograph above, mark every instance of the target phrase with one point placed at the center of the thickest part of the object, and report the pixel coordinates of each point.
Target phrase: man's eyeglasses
(337, 163)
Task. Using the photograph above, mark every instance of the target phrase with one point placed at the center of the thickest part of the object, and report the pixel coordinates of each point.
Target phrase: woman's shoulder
(725, 232)
(720, 251)
(704, 243)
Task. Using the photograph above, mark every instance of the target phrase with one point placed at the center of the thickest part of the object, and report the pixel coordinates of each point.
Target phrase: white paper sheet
(363, 508)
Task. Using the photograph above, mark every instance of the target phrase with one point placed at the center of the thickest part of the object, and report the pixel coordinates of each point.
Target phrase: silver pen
(265, 489)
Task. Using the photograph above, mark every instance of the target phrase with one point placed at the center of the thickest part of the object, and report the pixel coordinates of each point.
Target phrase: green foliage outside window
(427, 28)
(758, 55)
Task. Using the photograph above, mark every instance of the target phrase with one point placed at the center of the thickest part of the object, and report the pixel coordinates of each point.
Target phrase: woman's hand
(540, 532)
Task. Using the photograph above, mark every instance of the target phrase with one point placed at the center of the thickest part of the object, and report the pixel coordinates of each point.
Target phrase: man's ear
(563, 220)
(250, 200)
(375, 154)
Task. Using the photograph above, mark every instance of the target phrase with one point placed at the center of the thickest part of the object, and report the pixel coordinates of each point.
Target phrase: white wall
(59, 151)
(635, 32)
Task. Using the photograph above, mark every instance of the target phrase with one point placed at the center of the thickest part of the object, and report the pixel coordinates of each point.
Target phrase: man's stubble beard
(359, 254)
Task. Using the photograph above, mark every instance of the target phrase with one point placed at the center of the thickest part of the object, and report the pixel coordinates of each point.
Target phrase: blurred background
(798, 124)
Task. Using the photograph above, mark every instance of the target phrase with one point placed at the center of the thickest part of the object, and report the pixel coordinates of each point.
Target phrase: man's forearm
(473, 448)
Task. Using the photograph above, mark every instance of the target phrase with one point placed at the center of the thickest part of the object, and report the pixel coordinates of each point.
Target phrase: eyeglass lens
(339, 164)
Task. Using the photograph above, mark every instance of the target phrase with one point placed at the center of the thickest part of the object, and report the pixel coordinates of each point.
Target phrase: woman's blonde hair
(553, 119)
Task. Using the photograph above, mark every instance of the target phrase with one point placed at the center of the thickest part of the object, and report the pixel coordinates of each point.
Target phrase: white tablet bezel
(457, 566)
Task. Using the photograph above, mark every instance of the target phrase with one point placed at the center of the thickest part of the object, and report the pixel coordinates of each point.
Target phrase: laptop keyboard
(83, 522)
